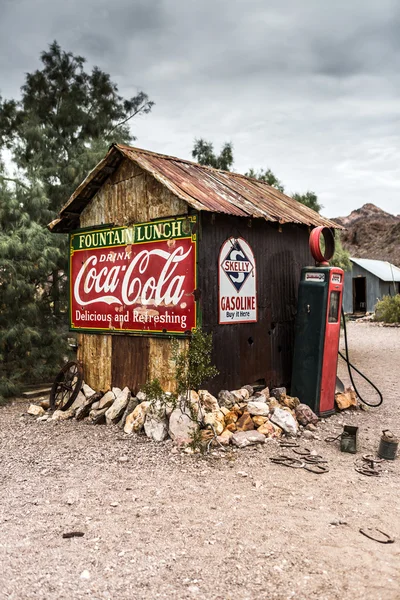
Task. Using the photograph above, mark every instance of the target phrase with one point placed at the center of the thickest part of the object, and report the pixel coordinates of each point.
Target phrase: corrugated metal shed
(203, 188)
(380, 268)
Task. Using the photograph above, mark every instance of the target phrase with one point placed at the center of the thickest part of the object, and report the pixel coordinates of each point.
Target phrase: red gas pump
(317, 328)
(331, 344)
(317, 331)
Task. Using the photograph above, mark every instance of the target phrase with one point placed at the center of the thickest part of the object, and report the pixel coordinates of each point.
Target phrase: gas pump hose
(350, 366)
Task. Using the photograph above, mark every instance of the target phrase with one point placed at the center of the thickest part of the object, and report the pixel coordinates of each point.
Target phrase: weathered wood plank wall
(129, 196)
(245, 353)
(95, 353)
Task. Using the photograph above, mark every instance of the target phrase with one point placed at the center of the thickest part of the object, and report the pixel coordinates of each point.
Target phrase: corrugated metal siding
(222, 191)
(129, 196)
(375, 289)
(244, 353)
(200, 187)
(380, 268)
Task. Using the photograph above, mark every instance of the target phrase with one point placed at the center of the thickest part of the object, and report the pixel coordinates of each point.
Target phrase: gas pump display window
(333, 315)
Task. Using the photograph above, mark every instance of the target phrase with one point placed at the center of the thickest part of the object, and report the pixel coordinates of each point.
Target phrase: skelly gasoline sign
(138, 279)
(237, 283)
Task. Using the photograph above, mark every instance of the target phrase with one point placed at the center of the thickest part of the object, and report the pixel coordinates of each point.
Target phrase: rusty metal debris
(331, 439)
(288, 444)
(348, 439)
(317, 468)
(71, 534)
(202, 187)
(310, 462)
(288, 461)
(368, 465)
(315, 459)
(302, 451)
(66, 386)
(388, 445)
(369, 533)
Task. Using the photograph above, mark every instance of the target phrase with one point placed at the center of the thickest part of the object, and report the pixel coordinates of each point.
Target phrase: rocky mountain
(372, 233)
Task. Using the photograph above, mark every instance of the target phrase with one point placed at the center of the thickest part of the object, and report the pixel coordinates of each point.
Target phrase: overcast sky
(309, 88)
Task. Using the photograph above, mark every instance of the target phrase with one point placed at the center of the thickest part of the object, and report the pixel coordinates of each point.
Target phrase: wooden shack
(367, 283)
(246, 242)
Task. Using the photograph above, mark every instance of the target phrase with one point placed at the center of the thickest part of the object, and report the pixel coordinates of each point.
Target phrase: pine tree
(57, 132)
(30, 346)
(65, 121)
(309, 199)
(267, 176)
(203, 152)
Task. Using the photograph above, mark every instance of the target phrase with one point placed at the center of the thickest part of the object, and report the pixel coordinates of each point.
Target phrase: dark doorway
(359, 294)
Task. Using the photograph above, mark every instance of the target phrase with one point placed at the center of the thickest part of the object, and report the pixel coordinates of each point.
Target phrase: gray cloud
(309, 89)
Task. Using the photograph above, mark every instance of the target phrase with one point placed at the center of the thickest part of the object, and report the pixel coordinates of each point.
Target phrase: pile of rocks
(240, 417)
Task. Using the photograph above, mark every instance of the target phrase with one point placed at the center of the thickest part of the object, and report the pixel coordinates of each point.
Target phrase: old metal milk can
(388, 445)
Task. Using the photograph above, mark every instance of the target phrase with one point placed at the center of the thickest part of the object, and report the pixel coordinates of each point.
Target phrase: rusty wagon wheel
(66, 386)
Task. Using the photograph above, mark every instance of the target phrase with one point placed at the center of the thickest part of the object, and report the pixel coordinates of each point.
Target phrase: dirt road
(230, 526)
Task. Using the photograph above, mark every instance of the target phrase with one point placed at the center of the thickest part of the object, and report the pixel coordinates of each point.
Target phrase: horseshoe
(313, 460)
(317, 468)
(367, 532)
(288, 444)
(302, 451)
(287, 461)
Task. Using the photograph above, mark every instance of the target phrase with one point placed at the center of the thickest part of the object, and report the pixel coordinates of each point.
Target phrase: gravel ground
(229, 526)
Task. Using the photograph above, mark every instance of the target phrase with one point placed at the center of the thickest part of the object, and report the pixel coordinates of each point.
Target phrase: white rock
(141, 396)
(117, 408)
(224, 438)
(226, 399)
(156, 430)
(191, 399)
(241, 395)
(79, 401)
(35, 410)
(208, 401)
(62, 415)
(258, 408)
(285, 421)
(98, 416)
(43, 418)
(85, 574)
(258, 397)
(181, 426)
(107, 399)
(156, 425)
(87, 390)
(135, 420)
(216, 419)
(241, 439)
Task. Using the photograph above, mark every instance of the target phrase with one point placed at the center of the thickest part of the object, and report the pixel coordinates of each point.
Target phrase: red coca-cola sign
(134, 279)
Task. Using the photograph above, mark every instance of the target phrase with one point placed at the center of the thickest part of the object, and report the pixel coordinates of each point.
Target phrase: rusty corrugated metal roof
(202, 187)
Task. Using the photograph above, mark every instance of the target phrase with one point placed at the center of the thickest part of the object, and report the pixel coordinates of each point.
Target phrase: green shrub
(388, 309)
(193, 365)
